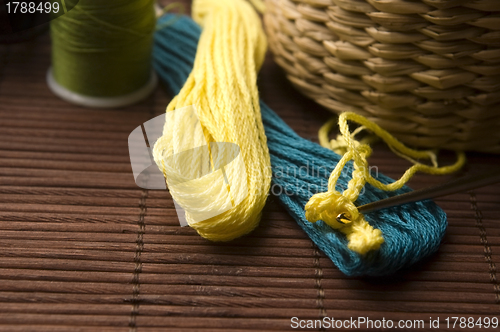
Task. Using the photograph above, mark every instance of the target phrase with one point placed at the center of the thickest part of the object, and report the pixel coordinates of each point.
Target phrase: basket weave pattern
(428, 71)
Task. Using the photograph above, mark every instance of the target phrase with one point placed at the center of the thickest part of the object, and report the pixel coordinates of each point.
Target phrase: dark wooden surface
(83, 249)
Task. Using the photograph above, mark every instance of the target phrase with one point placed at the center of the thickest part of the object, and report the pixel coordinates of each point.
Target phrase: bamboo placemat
(84, 249)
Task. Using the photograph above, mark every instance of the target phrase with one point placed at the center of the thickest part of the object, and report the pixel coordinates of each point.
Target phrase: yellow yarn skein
(222, 87)
(332, 206)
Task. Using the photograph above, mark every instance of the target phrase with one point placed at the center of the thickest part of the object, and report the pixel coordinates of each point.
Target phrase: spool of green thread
(101, 52)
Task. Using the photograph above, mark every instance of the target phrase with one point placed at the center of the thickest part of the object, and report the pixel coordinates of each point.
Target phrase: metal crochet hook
(454, 186)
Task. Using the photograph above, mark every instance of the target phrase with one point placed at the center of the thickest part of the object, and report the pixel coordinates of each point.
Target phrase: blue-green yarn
(411, 232)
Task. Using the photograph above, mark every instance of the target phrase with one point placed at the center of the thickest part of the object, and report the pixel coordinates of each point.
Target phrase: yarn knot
(339, 212)
(363, 237)
(339, 145)
(333, 208)
(338, 209)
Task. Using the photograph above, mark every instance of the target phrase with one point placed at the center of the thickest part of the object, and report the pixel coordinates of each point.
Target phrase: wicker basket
(428, 71)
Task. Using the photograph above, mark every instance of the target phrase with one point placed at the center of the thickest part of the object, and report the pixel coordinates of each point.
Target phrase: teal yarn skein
(411, 232)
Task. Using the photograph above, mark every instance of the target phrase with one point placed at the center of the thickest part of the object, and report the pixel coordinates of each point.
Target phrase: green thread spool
(101, 52)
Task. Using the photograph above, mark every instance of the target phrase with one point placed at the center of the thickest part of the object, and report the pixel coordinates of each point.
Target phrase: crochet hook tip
(343, 219)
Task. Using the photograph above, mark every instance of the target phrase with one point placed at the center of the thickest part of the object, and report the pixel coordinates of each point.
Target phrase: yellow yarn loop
(330, 205)
(222, 87)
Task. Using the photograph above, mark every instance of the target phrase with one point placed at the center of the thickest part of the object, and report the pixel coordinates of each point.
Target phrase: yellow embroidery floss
(222, 88)
(101, 52)
(338, 209)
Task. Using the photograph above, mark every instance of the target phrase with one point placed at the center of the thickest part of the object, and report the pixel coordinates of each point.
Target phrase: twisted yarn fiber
(223, 88)
(302, 168)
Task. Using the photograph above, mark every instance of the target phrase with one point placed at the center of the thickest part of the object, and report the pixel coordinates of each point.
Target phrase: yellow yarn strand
(332, 206)
(222, 88)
